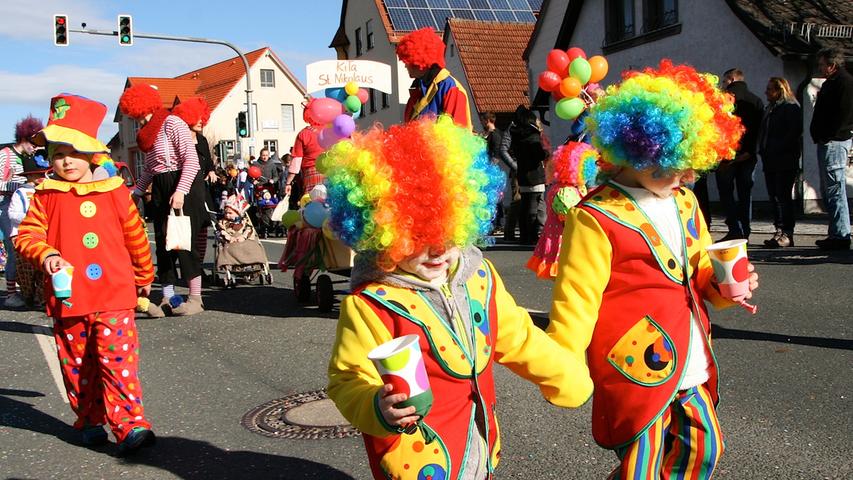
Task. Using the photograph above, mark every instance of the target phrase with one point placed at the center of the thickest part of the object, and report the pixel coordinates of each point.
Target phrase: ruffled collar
(101, 186)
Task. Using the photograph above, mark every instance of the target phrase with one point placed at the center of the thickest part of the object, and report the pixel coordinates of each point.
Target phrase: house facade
(277, 97)
(712, 35)
(370, 30)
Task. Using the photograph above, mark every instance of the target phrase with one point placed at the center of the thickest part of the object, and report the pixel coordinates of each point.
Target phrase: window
(267, 78)
(139, 162)
(358, 45)
(287, 119)
(659, 13)
(372, 101)
(369, 32)
(386, 100)
(272, 146)
(619, 18)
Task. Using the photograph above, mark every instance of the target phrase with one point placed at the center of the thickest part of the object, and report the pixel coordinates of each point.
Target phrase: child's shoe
(192, 306)
(138, 438)
(94, 436)
(15, 301)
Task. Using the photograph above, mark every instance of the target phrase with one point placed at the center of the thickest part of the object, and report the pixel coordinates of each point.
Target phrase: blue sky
(33, 69)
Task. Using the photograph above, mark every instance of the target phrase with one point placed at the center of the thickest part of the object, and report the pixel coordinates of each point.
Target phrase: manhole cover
(307, 415)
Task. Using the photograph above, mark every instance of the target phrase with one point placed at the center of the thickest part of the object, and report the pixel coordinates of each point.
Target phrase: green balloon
(569, 108)
(352, 103)
(579, 69)
(290, 218)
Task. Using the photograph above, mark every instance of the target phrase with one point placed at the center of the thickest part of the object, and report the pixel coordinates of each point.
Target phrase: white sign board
(337, 73)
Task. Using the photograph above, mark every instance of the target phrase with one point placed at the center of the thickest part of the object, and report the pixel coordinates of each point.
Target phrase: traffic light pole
(249, 126)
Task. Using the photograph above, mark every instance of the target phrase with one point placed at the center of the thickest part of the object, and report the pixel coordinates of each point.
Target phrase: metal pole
(249, 124)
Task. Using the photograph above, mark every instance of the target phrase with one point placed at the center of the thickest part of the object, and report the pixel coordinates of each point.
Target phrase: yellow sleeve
(705, 274)
(353, 380)
(583, 273)
(526, 350)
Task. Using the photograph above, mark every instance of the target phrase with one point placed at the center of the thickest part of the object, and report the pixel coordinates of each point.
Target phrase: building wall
(269, 124)
(358, 12)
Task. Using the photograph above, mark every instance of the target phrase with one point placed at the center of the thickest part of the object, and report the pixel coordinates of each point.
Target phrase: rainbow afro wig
(670, 118)
(576, 165)
(422, 48)
(396, 192)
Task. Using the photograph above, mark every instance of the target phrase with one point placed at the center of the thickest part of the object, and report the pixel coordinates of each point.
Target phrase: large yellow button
(90, 240)
(88, 209)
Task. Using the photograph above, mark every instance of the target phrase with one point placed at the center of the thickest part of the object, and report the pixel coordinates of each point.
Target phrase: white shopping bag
(179, 231)
(280, 209)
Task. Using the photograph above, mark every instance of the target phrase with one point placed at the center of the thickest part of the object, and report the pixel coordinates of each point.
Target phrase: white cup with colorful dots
(401, 365)
(61, 281)
(731, 269)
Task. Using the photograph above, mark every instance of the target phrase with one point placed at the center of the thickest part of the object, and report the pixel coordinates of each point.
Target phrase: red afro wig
(26, 128)
(140, 100)
(422, 48)
(192, 110)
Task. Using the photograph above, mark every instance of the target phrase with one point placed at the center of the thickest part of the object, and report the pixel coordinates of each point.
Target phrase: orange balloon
(570, 87)
(598, 65)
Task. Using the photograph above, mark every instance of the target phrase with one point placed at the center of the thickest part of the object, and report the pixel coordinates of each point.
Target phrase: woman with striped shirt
(171, 167)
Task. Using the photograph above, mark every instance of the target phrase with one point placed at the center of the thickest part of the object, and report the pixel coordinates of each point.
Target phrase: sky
(32, 69)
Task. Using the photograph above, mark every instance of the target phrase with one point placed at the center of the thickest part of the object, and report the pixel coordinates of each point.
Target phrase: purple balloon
(343, 125)
(327, 137)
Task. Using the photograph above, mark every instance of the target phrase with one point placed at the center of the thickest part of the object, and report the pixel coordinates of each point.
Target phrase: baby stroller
(266, 201)
(239, 255)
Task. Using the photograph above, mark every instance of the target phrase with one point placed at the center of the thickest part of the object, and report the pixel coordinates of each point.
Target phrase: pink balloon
(574, 53)
(558, 62)
(324, 110)
(327, 137)
(363, 95)
(549, 80)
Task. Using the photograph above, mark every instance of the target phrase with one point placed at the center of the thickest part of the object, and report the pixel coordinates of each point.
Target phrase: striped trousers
(684, 443)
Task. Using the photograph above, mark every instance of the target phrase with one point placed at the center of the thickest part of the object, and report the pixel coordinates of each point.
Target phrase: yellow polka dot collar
(106, 185)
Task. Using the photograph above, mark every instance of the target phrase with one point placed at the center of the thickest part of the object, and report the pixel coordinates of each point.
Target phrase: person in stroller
(266, 201)
(234, 225)
(239, 253)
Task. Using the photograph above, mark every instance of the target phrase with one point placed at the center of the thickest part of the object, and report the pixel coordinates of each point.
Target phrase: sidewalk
(806, 225)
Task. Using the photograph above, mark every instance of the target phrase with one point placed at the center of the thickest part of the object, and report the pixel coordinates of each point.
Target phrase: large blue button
(94, 271)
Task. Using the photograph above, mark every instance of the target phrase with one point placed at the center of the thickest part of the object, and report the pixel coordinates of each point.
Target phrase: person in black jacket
(493, 143)
(530, 153)
(739, 172)
(779, 146)
(832, 129)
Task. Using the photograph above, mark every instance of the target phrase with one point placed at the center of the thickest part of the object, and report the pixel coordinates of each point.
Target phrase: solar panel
(408, 15)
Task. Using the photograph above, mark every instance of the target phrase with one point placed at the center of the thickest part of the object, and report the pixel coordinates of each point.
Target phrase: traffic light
(242, 126)
(60, 30)
(125, 31)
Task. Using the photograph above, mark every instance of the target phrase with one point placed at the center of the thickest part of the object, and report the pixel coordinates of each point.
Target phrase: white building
(277, 97)
(763, 39)
(370, 30)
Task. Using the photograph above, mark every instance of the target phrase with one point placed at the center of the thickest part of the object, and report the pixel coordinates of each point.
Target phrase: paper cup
(62, 282)
(730, 267)
(401, 365)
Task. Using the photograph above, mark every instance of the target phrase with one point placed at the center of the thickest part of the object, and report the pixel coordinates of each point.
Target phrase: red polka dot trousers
(99, 358)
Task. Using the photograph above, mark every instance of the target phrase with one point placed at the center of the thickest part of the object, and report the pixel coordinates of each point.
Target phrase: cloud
(28, 21)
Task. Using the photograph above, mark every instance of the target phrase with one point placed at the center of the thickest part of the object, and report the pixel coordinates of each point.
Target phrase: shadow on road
(194, 459)
(268, 301)
(21, 327)
(800, 256)
(719, 332)
(22, 415)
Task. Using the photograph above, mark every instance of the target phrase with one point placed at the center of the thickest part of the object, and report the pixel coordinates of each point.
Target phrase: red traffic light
(60, 32)
(60, 20)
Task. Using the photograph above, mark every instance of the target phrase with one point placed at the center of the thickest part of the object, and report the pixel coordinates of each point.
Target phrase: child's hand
(753, 279)
(143, 291)
(53, 263)
(398, 417)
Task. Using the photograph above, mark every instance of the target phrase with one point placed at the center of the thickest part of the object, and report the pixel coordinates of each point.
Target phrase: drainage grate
(307, 415)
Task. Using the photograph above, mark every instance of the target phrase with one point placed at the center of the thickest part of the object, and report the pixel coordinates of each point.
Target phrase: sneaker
(138, 438)
(15, 301)
(833, 244)
(781, 241)
(769, 242)
(93, 436)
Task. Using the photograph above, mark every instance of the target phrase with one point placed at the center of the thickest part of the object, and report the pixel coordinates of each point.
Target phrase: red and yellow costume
(440, 95)
(620, 307)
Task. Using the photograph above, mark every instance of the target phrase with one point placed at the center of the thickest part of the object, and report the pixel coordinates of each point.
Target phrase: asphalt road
(786, 387)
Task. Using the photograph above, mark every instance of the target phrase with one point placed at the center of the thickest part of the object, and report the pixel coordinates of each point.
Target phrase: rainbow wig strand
(671, 118)
(576, 165)
(396, 192)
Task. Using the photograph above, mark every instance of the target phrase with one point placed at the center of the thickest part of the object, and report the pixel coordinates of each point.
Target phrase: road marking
(44, 337)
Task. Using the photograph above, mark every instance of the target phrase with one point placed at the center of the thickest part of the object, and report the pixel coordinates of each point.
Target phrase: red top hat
(74, 120)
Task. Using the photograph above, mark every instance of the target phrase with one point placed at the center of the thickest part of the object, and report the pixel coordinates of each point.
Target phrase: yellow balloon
(351, 88)
(305, 200)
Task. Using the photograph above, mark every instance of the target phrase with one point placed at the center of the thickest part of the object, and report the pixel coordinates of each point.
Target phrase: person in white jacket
(29, 279)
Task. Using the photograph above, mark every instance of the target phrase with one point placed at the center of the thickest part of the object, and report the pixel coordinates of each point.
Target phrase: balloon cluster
(567, 74)
(313, 211)
(337, 112)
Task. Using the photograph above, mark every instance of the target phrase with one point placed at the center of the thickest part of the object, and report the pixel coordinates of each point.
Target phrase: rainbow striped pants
(685, 443)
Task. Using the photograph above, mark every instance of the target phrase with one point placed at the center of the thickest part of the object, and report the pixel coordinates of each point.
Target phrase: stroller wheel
(268, 277)
(325, 293)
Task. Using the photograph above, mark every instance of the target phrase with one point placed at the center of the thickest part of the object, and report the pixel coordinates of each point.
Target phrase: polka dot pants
(99, 358)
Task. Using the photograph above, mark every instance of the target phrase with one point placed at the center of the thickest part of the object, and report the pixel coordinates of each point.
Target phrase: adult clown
(434, 91)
